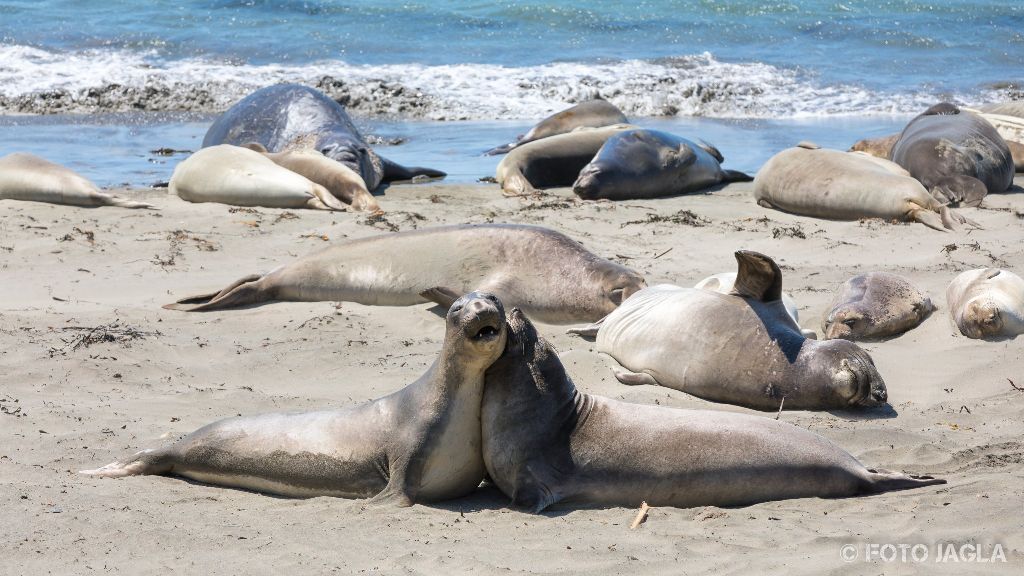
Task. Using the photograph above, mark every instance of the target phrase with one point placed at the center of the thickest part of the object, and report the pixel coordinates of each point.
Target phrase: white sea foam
(38, 81)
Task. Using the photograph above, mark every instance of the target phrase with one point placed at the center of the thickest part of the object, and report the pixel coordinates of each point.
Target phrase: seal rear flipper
(635, 378)
(441, 295)
(322, 199)
(239, 293)
(951, 219)
(932, 220)
(878, 481)
(589, 331)
(503, 149)
(736, 176)
(758, 277)
(394, 171)
(959, 189)
(146, 462)
(109, 200)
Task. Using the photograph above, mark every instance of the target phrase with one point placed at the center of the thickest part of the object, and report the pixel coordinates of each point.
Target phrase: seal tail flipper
(878, 481)
(394, 171)
(322, 199)
(635, 378)
(736, 176)
(503, 149)
(110, 200)
(441, 295)
(239, 293)
(589, 331)
(951, 219)
(146, 462)
(932, 220)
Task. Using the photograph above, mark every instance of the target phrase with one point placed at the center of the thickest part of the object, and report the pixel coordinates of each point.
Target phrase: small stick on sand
(783, 401)
(640, 515)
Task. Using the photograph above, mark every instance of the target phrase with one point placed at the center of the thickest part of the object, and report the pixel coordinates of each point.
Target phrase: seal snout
(480, 314)
(586, 185)
(981, 319)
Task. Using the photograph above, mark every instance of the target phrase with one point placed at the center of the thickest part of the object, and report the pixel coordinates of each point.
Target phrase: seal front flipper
(239, 293)
(530, 493)
(635, 378)
(394, 171)
(441, 295)
(960, 189)
(589, 331)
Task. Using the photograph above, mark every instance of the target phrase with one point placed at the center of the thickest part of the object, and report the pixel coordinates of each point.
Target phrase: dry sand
(70, 402)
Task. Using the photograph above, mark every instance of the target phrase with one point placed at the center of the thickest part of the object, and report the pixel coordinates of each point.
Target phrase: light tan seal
(341, 181)
(987, 303)
(876, 306)
(419, 444)
(591, 114)
(34, 179)
(545, 443)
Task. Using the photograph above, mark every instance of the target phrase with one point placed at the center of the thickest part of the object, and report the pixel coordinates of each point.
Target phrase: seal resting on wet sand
(34, 179)
(592, 114)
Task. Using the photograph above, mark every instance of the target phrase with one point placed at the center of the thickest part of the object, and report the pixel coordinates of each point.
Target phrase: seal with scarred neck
(419, 444)
(591, 114)
(740, 348)
(34, 179)
(545, 443)
(987, 303)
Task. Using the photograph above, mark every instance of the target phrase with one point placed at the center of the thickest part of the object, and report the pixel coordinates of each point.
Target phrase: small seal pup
(591, 114)
(242, 177)
(651, 164)
(419, 444)
(293, 117)
(547, 274)
(741, 348)
(553, 161)
(340, 180)
(723, 283)
(987, 303)
(956, 155)
(811, 181)
(876, 306)
(545, 443)
(31, 178)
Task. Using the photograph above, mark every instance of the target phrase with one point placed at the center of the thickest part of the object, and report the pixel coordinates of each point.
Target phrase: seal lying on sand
(740, 348)
(34, 179)
(549, 275)
(545, 443)
(553, 161)
(723, 283)
(1008, 120)
(875, 306)
(592, 114)
(958, 156)
(987, 303)
(338, 179)
(810, 181)
(651, 164)
(241, 177)
(292, 117)
(419, 444)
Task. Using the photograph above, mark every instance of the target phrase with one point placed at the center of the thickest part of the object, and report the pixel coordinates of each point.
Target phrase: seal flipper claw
(932, 220)
(960, 189)
(635, 378)
(441, 295)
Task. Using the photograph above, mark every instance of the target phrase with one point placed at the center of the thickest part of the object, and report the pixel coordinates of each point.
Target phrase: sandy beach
(92, 369)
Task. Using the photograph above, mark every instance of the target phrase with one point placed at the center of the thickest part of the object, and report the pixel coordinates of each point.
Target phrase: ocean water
(455, 77)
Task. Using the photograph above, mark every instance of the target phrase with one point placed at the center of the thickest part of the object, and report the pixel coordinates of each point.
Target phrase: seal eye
(851, 322)
(616, 296)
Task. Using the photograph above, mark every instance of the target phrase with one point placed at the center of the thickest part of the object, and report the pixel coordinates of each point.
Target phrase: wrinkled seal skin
(548, 274)
(293, 117)
(875, 306)
(591, 114)
(956, 155)
(651, 164)
(545, 443)
(553, 161)
(811, 181)
(419, 444)
(31, 178)
(987, 303)
(741, 348)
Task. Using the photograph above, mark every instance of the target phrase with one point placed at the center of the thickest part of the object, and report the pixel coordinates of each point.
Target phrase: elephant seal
(591, 114)
(639, 164)
(293, 117)
(877, 147)
(419, 444)
(242, 177)
(553, 161)
(987, 303)
(811, 181)
(875, 306)
(545, 443)
(1010, 108)
(1008, 120)
(740, 348)
(31, 178)
(723, 283)
(956, 155)
(338, 179)
(546, 273)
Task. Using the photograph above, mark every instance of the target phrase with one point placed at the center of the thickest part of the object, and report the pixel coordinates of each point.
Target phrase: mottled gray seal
(34, 179)
(987, 303)
(292, 117)
(340, 180)
(419, 444)
(741, 348)
(591, 113)
(811, 181)
(544, 272)
(553, 161)
(242, 177)
(651, 164)
(545, 443)
(875, 306)
(958, 156)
